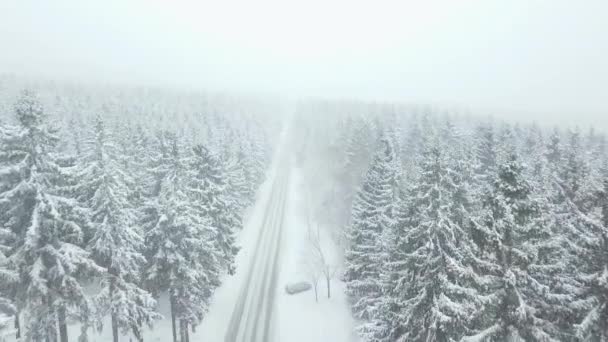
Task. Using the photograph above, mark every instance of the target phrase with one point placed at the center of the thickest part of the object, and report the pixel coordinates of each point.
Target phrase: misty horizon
(531, 61)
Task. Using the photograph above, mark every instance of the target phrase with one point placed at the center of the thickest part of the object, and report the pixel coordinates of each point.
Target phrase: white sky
(533, 59)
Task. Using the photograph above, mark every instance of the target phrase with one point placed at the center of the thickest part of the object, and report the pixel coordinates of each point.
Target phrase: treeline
(102, 211)
(473, 230)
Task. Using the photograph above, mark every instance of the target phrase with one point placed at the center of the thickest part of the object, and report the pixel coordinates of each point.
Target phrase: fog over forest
(543, 60)
(333, 171)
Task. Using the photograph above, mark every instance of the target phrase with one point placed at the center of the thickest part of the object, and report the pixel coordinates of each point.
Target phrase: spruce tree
(8, 279)
(517, 296)
(592, 267)
(207, 188)
(554, 149)
(434, 287)
(116, 243)
(237, 188)
(180, 246)
(487, 150)
(372, 218)
(46, 253)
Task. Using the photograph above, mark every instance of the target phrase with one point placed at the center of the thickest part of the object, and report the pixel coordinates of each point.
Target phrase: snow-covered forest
(110, 197)
(456, 228)
(303, 171)
(431, 223)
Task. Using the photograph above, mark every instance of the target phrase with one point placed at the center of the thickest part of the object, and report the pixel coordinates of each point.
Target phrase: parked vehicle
(298, 287)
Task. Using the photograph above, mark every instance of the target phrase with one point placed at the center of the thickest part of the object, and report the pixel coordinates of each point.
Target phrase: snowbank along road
(251, 319)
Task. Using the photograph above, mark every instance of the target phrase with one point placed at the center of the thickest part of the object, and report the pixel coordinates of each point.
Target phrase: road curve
(251, 319)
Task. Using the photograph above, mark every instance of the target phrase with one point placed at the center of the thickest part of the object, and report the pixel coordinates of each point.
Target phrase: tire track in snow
(252, 312)
(237, 315)
(262, 329)
(252, 315)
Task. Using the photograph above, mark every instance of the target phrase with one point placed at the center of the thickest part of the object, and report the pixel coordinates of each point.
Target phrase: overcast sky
(532, 59)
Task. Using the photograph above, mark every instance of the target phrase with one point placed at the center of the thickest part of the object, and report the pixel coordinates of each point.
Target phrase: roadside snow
(299, 318)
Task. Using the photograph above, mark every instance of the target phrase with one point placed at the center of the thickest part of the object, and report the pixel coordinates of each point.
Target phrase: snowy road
(251, 320)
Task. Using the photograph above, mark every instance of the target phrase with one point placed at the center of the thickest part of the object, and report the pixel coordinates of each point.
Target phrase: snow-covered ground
(298, 317)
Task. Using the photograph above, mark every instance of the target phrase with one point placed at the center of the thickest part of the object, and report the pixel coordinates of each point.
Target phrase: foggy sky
(524, 59)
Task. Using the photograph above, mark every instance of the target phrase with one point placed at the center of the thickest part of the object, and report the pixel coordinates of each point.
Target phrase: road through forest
(252, 316)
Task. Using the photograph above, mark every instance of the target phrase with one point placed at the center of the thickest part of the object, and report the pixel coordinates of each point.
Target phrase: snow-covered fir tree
(372, 219)
(516, 297)
(432, 288)
(46, 251)
(8, 279)
(116, 243)
(588, 221)
(181, 248)
(207, 188)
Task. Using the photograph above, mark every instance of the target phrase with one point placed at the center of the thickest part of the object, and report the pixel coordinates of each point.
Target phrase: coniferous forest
(110, 197)
(303, 171)
(458, 228)
(452, 227)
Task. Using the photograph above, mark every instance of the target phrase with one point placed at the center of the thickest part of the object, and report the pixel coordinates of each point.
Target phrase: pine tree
(207, 189)
(535, 153)
(46, 253)
(237, 188)
(116, 243)
(433, 288)
(8, 279)
(554, 149)
(244, 159)
(139, 160)
(181, 248)
(592, 266)
(485, 161)
(372, 218)
(255, 147)
(517, 296)
(9, 222)
(486, 150)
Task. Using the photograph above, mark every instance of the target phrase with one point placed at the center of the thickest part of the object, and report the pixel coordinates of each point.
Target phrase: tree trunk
(63, 325)
(17, 326)
(186, 331)
(183, 330)
(172, 299)
(316, 293)
(113, 313)
(328, 287)
(51, 323)
(114, 327)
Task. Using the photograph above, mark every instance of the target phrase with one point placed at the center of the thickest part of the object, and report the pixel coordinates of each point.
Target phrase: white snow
(298, 318)
(213, 327)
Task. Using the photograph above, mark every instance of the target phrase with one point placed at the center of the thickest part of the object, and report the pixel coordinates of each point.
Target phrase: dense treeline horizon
(109, 200)
(462, 229)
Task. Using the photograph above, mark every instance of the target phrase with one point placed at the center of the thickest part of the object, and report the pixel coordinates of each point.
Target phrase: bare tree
(313, 264)
(313, 272)
(319, 258)
(317, 263)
